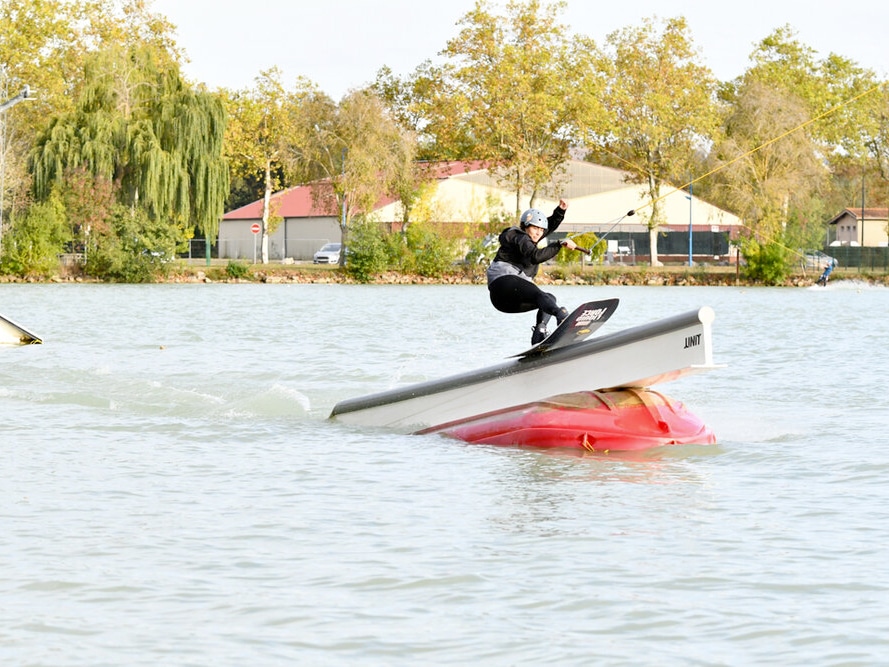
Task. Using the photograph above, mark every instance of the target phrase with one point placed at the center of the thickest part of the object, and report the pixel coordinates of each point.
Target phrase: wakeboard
(578, 326)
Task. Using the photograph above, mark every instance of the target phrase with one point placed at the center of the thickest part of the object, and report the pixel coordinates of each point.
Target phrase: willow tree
(521, 88)
(662, 106)
(139, 125)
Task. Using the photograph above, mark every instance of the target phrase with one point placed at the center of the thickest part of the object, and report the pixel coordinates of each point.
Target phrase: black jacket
(517, 248)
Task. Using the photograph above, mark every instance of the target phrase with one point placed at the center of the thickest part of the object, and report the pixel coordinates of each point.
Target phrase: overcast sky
(341, 44)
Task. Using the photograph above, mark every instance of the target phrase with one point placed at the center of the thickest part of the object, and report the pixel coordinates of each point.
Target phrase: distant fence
(251, 249)
(197, 249)
(248, 249)
(706, 246)
(675, 243)
(863, 260)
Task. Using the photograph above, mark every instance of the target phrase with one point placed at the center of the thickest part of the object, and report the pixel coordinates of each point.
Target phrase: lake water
(173, 493)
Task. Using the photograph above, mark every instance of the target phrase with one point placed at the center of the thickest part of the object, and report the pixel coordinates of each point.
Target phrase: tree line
(121, 159)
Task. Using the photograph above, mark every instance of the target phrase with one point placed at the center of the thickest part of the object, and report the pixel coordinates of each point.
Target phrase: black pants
(511, 294)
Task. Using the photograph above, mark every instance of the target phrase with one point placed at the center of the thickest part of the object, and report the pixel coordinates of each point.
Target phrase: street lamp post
(861, 225)
(12, 101)
(690, 203)
(343, 223)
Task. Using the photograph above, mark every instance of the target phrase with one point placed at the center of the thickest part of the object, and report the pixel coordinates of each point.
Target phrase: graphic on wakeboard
(578, 326)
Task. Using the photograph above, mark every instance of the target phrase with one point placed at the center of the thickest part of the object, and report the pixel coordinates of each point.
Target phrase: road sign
(254, 228)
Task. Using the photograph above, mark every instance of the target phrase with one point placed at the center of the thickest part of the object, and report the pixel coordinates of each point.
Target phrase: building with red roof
(865, 227)
(466, 194)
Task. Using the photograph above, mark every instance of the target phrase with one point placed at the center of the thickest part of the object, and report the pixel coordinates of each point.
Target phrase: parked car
(484, 252)
(815, 259)
(158, 256)
(328, 254)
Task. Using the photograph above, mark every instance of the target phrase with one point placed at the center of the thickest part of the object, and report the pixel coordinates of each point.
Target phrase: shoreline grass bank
(219, 271)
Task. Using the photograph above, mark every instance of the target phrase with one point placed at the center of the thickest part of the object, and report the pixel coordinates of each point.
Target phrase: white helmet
(533, 218)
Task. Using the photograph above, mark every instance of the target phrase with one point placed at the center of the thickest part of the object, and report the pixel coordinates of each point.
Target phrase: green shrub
(398, 255)
(367, 250)
(132, 247)
(236, 269)
(432, 254)
(35, 240)
(481, 250)
(768, 264)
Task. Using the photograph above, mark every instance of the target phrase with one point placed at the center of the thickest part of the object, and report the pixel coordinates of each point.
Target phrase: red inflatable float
(623, 419)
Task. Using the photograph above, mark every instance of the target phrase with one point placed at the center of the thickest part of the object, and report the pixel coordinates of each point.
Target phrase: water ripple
(174, 493)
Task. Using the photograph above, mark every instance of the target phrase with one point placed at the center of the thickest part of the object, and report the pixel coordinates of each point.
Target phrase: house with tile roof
(467, 194)
(865, 227)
